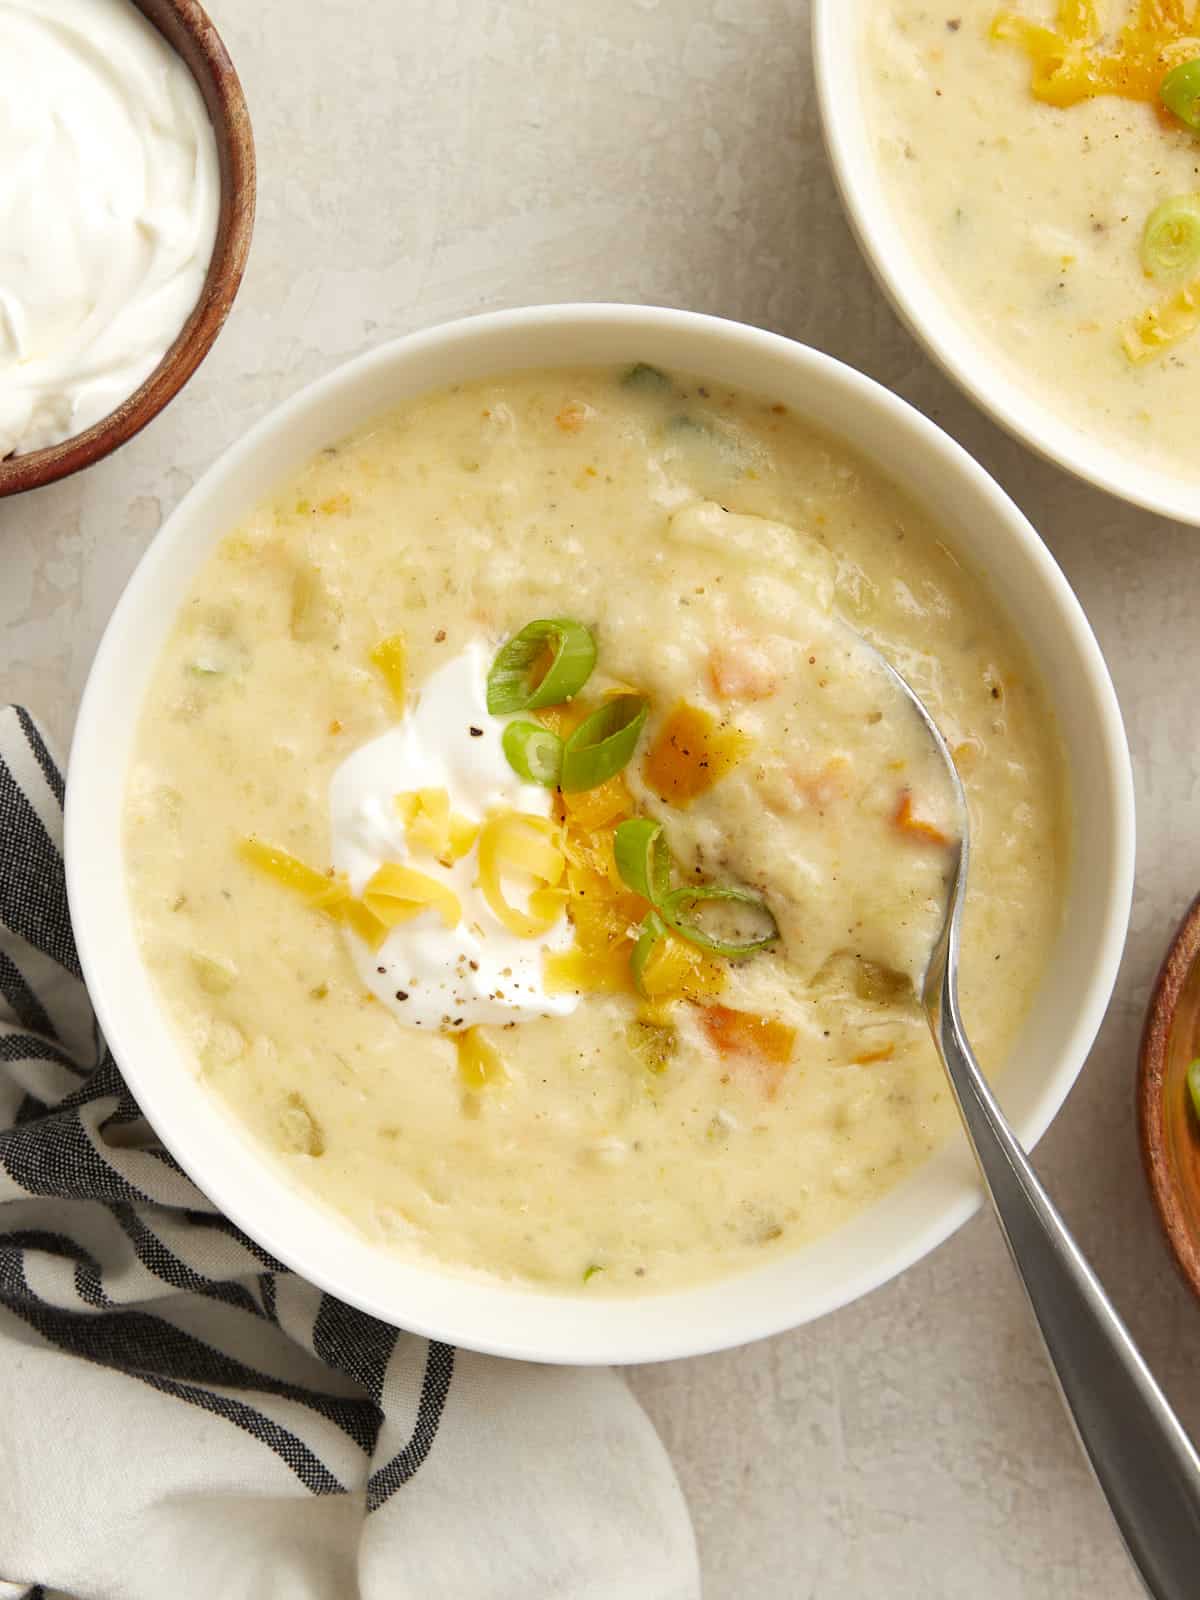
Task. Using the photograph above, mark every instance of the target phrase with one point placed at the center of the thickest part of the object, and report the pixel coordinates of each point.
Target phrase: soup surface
(1028, 186)
(433, 986)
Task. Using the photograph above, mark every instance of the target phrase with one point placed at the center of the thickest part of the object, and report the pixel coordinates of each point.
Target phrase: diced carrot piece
(739, 669)
(693, 751)
(870, 1057)
(572, 417)
(824, 788)
(762, 1043)
(908, 823)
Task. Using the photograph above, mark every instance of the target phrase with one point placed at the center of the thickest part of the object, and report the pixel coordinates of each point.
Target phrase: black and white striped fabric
(181, 1417)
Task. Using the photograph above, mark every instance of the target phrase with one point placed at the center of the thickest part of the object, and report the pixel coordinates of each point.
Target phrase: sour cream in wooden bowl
(125, 216)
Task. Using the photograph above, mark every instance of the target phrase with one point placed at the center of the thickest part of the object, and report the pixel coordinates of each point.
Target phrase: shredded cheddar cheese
(1163, 326)
(479, 1062)
(1072, 62)
(390, 657)
(430, 825)
(677, 969)
(364, 923)
(514, 842)
(395, 894)
(607, 915)
(328, 894)
(322, 892)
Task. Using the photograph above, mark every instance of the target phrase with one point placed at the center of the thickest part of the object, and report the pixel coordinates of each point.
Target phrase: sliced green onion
(652, 933)
(1193, 1081)
(1171, 242)
(679, 908)
(534, 752)
(1180, 93)
(642, 858)
(643, 376)
(515, 682)
(590, 1272)
(603, 743)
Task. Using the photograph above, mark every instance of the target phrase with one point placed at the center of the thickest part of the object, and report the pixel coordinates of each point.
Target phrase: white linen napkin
(181, 1418)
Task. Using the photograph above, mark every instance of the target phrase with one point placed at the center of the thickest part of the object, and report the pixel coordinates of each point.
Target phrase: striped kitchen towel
(182, 1418)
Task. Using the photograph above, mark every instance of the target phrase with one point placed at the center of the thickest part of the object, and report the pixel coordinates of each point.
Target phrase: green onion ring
(1171, 241)
(603, 743)
(1193, 1083)
(512, 683)
(677, 906)
(534, 752)
(642, 858)
(652, 933)
(1180, 93)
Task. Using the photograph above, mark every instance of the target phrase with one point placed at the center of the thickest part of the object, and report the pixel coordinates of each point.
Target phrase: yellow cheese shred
(677, 969)
(390, 657)
(479, 1062)
(517, 842)
(1071, 63)
(330, 895)
(319, 890)
(1164, 326)
(606, 915)
(429, 824)
(364, 923)
(396, 893)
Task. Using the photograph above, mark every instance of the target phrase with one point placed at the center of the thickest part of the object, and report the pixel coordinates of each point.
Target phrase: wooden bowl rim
(1174, 975)
(210, 65)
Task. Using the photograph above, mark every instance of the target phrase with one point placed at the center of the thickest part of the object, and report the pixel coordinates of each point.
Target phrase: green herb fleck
(647, 378)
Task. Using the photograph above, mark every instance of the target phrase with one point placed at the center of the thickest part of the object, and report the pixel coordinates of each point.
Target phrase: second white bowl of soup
(1032, 208)
(510, 895)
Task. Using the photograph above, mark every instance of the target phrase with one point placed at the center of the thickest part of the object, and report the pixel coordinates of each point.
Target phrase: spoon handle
(1144, 1461)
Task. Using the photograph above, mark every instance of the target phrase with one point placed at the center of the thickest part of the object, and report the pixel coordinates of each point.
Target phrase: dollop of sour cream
(109, 196)
(426, 974)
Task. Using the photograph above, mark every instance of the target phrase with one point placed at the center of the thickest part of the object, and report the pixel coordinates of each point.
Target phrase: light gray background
(421, 159)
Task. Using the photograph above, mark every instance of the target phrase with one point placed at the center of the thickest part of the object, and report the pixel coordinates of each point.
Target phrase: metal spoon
(1142, 1458)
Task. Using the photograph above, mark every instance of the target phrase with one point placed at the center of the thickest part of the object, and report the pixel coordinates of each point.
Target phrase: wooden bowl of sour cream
(190, 34)
(1168, 1125)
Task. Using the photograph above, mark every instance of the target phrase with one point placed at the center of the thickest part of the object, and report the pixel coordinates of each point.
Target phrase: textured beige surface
(428, 158)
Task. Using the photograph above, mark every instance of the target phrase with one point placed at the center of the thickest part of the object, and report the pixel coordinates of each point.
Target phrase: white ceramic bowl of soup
(936, 306)
(493, 1316)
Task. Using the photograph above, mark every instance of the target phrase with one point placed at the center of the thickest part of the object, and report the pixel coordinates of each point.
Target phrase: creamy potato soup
(1029, 153)
(536, 857)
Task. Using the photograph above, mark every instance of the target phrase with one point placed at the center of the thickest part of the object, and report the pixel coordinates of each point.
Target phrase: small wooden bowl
(187, 29)
(1170, 1131)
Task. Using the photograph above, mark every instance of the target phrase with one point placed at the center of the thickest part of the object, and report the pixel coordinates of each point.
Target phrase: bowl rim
(225, 102)
(653, 1335)
(963, 358)
(1178, 965)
